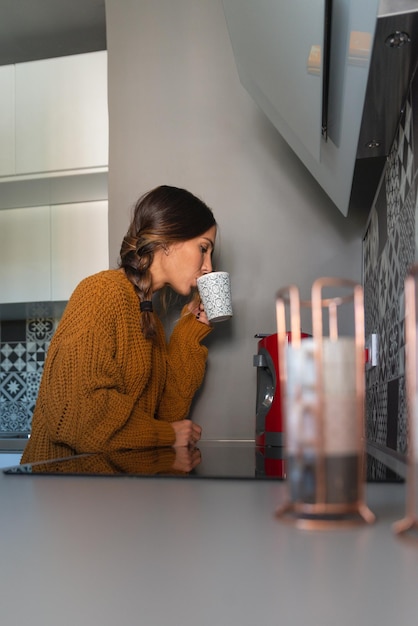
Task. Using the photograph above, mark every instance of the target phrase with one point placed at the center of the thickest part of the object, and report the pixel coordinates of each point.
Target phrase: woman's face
(182, 263)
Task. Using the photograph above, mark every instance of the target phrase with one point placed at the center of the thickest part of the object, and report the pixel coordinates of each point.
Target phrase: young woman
(110, 380)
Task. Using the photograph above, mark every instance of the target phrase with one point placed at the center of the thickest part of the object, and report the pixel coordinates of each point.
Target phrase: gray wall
(179, 115)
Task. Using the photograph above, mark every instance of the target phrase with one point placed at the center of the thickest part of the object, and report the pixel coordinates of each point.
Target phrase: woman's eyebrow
(210, 242)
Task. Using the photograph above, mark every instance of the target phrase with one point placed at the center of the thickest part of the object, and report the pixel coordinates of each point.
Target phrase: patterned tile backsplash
(389, 249)
(23, 347)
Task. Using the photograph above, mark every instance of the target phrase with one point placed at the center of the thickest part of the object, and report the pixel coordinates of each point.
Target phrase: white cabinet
(7, 120)
(53, 147)
(61, 114)
(79, 244)
(46, 251)
(25, 257)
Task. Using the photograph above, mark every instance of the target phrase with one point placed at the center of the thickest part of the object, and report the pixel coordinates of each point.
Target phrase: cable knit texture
(146, 462)
(105, 387)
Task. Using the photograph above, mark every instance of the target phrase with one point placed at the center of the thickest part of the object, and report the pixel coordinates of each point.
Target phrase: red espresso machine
(269, 425)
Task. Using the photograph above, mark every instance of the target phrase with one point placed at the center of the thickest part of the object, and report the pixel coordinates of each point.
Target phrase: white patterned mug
(215, 293)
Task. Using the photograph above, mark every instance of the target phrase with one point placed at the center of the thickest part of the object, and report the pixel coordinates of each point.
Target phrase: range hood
(332, 76)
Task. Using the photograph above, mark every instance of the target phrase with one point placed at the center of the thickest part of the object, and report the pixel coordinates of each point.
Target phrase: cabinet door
(79, 244)
(25, 255)
(61, 113)
(7, 120)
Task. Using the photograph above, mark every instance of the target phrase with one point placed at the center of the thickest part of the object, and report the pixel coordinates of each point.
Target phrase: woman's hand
(186, 459)
(187, 433)
(198, 310)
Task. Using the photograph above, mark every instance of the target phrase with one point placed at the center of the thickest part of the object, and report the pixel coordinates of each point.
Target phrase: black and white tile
(389, 250)
(23, 348)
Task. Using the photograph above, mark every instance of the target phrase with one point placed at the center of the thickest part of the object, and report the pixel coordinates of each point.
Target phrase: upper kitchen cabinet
(7, 120)
(332, 76)
(61, 114)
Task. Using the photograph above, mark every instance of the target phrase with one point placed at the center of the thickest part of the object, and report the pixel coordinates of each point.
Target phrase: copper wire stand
(347, 516)
(407, 527)
(304, 408)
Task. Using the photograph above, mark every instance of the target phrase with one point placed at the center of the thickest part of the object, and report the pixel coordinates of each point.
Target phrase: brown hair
(162, 216)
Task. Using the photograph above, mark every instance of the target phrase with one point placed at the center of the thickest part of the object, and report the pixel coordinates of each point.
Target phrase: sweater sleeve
(185, 367)
(133, 462)
(90, 410)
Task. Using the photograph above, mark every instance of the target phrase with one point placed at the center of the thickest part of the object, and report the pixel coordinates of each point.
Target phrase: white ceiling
(39, 29)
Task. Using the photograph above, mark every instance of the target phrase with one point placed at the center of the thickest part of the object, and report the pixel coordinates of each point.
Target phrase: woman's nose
(207, 265)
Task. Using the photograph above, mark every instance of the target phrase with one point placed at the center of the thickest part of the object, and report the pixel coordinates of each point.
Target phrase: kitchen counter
(109, 550)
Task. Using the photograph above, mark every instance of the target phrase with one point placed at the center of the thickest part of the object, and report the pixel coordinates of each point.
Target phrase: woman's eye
(203, 249)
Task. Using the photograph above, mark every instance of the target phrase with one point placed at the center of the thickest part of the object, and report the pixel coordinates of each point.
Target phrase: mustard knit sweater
(147, 462)
(105, 387)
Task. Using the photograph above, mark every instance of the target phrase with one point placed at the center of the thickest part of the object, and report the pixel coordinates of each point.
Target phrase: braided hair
(162, 216)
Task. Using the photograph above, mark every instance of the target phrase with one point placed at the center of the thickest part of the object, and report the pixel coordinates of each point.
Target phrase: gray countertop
(105, 550)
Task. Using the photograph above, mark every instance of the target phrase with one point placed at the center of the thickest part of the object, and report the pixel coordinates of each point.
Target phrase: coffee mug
(215, 292)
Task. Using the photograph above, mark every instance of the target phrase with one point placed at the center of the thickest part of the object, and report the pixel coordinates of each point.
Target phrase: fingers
(187, 433)
(201, 315)
(196, 431)
(195, 434)
(186, 459)
(195, 458)
(194, 305)
(199, 310)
